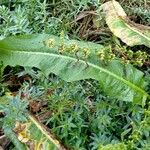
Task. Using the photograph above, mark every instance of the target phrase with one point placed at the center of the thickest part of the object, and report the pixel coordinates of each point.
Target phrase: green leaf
(116, 79)
(120, 25)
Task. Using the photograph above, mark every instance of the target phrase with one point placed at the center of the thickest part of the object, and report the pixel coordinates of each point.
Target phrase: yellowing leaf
(35, 136)
(128, 31)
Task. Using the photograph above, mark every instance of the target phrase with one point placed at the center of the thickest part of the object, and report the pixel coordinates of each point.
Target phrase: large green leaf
(117, 80)
(128, 31)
